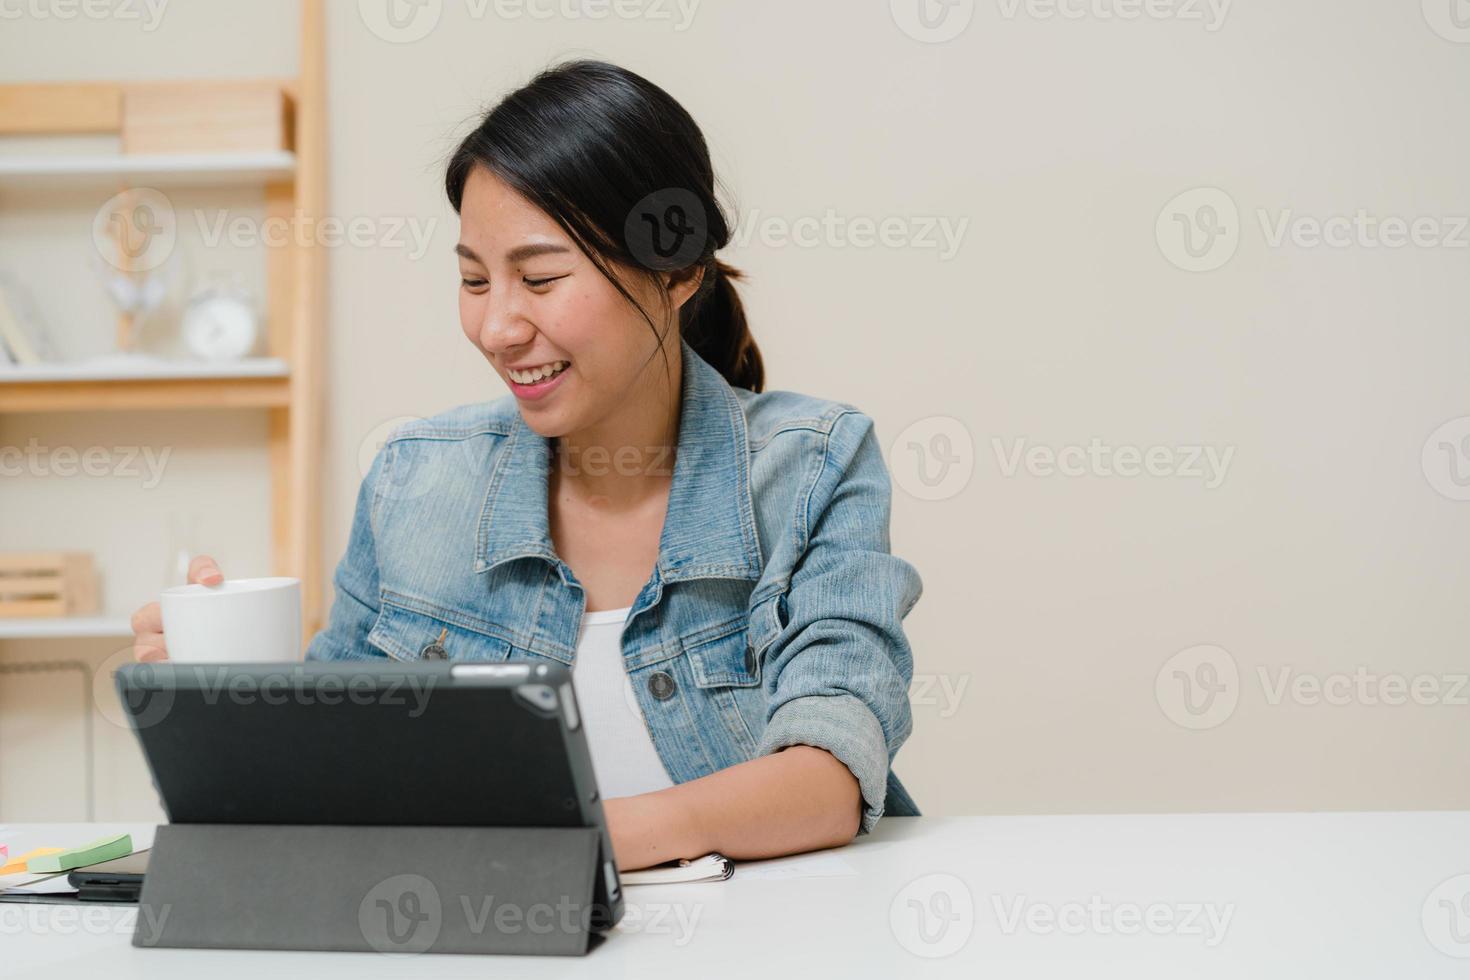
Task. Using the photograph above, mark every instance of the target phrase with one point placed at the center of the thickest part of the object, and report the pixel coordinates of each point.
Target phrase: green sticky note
(104, 849)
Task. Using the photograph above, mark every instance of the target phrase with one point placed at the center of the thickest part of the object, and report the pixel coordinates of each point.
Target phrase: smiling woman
(712, 561)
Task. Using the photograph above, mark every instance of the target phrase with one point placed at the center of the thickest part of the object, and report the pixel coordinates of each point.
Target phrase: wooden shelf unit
(294, 181)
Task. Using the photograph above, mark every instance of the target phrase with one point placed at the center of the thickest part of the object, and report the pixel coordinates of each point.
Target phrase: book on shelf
(20, 345)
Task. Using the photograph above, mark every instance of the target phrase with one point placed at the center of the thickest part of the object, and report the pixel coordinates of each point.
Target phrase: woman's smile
(536, 381)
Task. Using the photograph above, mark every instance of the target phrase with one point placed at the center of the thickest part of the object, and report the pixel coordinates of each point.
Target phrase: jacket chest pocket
(726, 671)
(723, 656)
(409, 635)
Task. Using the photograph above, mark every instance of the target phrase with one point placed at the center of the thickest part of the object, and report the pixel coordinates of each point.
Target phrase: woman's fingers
(148, 619)
(149, 648)
(148, 641)
(204, 571)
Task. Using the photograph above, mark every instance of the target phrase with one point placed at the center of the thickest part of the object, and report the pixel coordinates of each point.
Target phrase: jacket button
(435, 650)
(749, 659)
(661, 685)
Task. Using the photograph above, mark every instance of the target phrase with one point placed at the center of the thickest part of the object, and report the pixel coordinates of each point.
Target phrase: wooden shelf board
(134, 394)
(143, 368)
(65, 627)
(175, 169)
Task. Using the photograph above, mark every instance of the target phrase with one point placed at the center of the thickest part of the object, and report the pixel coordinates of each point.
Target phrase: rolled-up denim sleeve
(355, 596)
(838, 673)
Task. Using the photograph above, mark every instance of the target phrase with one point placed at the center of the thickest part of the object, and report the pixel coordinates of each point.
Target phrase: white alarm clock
(220, 324)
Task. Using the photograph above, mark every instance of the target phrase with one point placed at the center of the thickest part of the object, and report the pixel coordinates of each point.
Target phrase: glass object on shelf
(134, 233)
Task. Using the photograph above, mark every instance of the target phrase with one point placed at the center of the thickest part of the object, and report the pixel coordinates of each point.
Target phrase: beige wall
(1329, 549)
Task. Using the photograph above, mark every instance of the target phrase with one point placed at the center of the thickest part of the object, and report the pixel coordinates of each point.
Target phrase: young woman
(713, 562)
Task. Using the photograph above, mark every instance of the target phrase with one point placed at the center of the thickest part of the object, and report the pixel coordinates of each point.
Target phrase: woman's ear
(684, 283)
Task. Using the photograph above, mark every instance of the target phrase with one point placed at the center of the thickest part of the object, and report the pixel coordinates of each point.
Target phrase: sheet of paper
(801, 866)
(53, 885)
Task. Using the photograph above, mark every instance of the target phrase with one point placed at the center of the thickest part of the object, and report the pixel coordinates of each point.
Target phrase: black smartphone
(118, 880)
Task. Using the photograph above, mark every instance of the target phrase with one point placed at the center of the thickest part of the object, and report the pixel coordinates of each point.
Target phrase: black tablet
(373, 744)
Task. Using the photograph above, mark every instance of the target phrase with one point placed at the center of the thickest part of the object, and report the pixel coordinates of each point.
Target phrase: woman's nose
(504, 326)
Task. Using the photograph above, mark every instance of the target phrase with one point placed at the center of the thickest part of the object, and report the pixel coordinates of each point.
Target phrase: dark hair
(617, 162)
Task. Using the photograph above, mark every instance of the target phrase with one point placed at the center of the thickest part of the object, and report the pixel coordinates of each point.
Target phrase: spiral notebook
(711, 867)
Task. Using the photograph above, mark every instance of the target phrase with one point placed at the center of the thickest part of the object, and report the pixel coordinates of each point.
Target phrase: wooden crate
(47, 583)
(207, 117)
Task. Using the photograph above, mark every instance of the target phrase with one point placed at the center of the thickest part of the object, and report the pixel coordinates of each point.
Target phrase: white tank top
(623, 754)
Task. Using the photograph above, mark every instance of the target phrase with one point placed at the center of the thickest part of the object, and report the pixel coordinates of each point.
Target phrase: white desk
(1293, 895)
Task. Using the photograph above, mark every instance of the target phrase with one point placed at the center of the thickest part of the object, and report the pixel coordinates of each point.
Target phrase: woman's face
(571, 349)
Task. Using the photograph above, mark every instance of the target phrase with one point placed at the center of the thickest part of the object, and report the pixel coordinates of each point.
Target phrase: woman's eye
(537, 283)
(472, 283)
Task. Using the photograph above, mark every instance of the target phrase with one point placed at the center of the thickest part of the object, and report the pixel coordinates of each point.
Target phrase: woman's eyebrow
(518, 254)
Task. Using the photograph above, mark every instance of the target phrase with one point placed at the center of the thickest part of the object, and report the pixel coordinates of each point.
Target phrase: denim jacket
(773, 616)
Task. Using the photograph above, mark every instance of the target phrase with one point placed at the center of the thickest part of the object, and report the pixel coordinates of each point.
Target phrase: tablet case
(517, 890)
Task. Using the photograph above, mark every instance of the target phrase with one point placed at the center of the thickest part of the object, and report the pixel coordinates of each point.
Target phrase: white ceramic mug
(242, 620)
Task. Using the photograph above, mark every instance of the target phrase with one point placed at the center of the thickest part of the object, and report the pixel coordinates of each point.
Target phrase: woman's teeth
(538, 373)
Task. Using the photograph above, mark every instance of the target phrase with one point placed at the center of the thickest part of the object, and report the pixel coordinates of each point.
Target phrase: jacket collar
(709, 529)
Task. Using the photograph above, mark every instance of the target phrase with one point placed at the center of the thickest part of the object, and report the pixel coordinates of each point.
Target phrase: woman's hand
(792, 801)
(148, 643)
